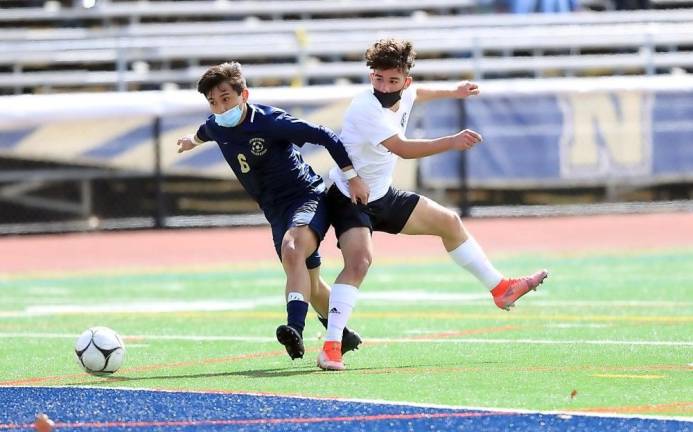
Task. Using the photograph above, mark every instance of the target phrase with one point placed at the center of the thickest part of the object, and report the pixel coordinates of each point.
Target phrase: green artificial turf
(605, 332)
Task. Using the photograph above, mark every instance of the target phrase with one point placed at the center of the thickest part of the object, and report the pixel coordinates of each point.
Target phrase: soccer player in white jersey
(373, 135)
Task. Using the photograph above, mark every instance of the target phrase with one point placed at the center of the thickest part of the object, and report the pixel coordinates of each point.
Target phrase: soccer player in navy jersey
(257, 142)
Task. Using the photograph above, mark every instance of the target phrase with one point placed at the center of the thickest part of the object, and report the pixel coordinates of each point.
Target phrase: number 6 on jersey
(242, 162)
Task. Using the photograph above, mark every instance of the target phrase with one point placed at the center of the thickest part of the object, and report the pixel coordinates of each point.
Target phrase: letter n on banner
(606, 135)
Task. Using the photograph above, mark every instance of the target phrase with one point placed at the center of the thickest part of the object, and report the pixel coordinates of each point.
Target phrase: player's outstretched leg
(350, 339)
(330, 358)
(292, 341)
(509, 290)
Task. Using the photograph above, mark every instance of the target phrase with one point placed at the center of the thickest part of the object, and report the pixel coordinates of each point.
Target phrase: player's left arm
(460, 90)
(300, 132)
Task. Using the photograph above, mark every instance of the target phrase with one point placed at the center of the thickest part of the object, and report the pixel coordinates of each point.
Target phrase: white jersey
(366, 125)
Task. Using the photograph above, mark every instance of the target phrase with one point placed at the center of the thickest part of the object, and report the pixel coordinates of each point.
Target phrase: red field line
(247, 422)
(444, 335)
(453, 334)
(228, 359)
(512, 368)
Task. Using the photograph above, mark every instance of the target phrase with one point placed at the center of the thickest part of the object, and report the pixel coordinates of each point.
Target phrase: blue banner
(565, 139)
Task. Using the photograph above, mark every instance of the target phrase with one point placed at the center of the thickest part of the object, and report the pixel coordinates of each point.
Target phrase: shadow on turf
(251, 373)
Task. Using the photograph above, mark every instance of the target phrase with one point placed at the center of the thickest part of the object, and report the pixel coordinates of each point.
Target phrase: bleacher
(154, 45)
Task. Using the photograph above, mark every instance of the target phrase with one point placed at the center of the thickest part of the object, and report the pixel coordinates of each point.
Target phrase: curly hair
(225, 72)
(391, 54)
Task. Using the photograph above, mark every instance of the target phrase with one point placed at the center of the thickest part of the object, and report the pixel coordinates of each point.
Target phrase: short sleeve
(202, 133)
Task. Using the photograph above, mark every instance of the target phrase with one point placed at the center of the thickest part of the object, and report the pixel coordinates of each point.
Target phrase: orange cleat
(330, 358)
(506, 293)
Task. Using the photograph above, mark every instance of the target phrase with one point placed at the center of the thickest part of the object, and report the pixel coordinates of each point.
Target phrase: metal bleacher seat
(323, 50)
(138, 11)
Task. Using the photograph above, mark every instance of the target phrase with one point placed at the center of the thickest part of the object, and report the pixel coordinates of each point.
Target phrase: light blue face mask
(229, 118)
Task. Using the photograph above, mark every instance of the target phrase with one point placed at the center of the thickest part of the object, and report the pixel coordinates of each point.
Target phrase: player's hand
(466, 89)
(359, 191)
(186, 143)
(466, 139)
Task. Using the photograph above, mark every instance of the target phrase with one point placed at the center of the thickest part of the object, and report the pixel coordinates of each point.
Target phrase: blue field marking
(98, 409)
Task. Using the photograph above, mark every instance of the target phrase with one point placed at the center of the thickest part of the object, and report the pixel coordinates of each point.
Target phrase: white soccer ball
(100, 350)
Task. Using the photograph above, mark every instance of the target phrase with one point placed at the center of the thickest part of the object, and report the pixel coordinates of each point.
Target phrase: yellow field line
(442, 316)
(629, 376)
(685, 408)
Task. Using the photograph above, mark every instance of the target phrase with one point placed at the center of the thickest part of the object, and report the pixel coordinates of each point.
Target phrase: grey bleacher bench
(355, 42)
(345, 43)
(453, 68)
(220, 9)
(382, 24)
(477, 52)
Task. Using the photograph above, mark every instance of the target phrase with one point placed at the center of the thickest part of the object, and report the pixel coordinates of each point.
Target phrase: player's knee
(358, 265)
(291, 255)
(450, 223)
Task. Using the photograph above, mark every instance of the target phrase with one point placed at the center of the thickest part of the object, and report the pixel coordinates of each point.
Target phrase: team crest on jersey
(257, 146)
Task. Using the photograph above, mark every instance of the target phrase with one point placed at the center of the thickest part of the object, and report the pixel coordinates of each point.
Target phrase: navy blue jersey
(261, 153)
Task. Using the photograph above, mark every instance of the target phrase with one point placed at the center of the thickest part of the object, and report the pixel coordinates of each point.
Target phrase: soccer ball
(100, 350)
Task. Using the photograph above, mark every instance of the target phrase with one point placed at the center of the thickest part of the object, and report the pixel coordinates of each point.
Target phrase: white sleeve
(372, 124)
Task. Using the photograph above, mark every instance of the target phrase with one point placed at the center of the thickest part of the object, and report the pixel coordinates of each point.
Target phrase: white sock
(471, 257)
(342, 302)
(294, 295)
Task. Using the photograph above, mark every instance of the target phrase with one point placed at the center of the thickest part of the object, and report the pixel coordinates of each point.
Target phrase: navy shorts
(310, 210)
(388, 214)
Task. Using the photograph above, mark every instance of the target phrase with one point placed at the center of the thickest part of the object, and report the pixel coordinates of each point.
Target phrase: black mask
(387, 100)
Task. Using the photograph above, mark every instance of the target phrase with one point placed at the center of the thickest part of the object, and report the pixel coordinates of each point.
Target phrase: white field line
(550, 325)
(142, 338)
(577, 325)
(261, 339)
(145, 307)
(389, 297)
(532, 341)
(561, 414)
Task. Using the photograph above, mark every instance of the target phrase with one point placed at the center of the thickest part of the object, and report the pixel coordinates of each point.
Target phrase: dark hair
(225, 72)
(391, 54)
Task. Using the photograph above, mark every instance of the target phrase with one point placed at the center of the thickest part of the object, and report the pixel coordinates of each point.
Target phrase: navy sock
(323, 321)
(296, 311)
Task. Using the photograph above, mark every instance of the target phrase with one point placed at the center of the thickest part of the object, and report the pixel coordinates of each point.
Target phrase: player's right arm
(189, 142)
(417, 148)
(372, 125)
